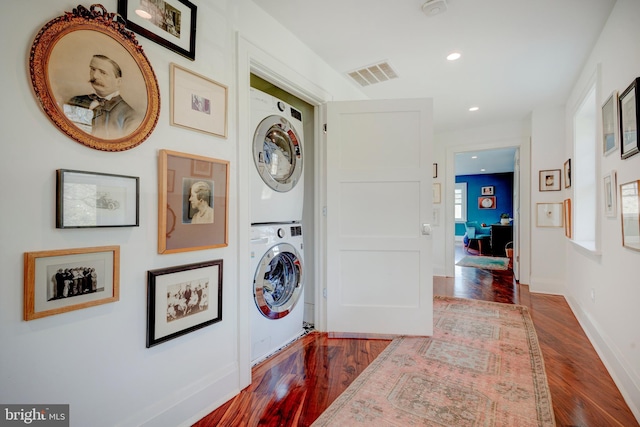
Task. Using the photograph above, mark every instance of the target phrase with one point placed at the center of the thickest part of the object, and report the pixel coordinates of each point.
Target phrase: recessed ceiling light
(474, 108)
(453, 56)
(474, 157)
(483, 170)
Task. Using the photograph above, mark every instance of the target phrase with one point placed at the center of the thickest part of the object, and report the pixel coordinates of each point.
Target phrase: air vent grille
(373, 74)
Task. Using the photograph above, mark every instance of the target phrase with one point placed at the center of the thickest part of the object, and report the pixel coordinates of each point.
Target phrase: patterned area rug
(482, 367)
(485, 262)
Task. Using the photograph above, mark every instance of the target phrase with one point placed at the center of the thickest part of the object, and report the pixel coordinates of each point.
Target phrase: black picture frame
(161, 26)
(629, 111)
(96, 200)
(171, 312)
(567, 174)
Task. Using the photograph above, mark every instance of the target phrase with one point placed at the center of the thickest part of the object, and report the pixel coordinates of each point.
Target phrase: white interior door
(379, 191)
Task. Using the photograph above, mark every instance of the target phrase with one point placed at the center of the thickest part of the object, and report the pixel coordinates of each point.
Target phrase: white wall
(95, 359)
(610, 320)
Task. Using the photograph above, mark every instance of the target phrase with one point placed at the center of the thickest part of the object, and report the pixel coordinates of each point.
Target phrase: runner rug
(482, 367)
(485, 262)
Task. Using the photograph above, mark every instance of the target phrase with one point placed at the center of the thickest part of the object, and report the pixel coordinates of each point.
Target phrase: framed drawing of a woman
(94, 81)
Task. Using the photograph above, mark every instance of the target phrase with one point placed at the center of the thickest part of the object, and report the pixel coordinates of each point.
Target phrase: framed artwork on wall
(610, 193)
(487, 190)
(64, 280)
(436, 193)
(610, 124)
(93, 80)
(487, 202)
(567, 218)
(183, 299)
(549, 180)
(91, 199)
(628, 105)
(567, 173)
(549, 215)
(630, 214)
(170, 23)
(193, 202)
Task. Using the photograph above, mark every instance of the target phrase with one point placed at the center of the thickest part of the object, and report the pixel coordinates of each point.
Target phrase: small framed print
(610, 124)
(65, 280)
(609, 193)
(567, 218)
(91, 199)
(549, 180)
(487, 202)
(436, 193)
(170, 23)
(629, 107)
(487, 191)
(630, 213)
(549, 215)
(183, 299)
(435, 170)
(197, 102)
(193, 202)
(567, 173)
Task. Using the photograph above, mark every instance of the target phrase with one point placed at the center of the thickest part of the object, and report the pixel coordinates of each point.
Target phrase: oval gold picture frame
(59, 65)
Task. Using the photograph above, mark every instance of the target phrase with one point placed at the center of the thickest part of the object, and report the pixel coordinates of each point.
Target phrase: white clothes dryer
(277, 187)
(278, 288)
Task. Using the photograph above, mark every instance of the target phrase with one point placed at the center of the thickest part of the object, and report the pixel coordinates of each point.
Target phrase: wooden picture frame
(630, 214)
(435, 170)
(567, 174)
(186, 222)
(549, 180)
(610, 124)
(437, 193)
(62, 58)
(549, 214)
(93, 200)
(568, 229)
(488, 190)
(629, 111)
(610, 187)
(487, 202)
(183, 299)
(170, 23)
(197, 102)
(64, 280)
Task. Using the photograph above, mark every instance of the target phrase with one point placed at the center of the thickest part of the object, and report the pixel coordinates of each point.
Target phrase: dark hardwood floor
(295, 386)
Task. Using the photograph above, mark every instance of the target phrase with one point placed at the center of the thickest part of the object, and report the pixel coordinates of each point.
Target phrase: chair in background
(476, 233)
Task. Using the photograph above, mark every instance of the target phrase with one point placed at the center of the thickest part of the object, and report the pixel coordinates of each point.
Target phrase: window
(460, 202)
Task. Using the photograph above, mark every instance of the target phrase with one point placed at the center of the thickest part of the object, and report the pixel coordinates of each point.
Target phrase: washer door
(277, 153)
(278, 281)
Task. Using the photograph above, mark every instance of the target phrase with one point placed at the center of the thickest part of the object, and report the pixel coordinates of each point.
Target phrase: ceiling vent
(373, 74)
(434, 7)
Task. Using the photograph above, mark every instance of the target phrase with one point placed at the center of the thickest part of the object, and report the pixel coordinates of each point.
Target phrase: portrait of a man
(199, 199)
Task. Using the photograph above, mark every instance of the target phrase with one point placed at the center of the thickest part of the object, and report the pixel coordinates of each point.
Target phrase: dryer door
(277, 153)
(278, 281)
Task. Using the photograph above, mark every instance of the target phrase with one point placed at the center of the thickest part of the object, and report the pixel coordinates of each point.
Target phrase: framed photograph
(610, 186)
(183, 299)
(436, 193)
(170, 23)
(610, 124)
(549, 215)
(487, 191)
(567, 174)
(193, 202)
(630, 212)
(91, 199)
(94, 81)
(567, 218)
(549, 180)
(487, 202)
(629, 108)
(435, 170)
(70, 279)
(197, 102)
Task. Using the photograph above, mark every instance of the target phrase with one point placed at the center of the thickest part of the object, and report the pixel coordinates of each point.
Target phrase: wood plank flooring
(296, 385)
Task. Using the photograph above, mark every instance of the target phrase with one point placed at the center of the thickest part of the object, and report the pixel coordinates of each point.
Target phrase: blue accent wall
(503, 191)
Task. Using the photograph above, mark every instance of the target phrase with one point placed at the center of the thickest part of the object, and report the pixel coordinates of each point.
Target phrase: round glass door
(277, 153)
(278, 281)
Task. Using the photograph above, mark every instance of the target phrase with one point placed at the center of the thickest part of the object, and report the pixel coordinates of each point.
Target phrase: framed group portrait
(193, 202)
(93, 80)
(63, 280)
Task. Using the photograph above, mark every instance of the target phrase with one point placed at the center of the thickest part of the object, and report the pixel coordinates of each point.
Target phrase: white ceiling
(517, 55)
(483, 162)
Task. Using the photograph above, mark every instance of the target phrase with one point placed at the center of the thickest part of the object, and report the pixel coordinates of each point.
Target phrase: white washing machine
(278, 289)
(277, 187)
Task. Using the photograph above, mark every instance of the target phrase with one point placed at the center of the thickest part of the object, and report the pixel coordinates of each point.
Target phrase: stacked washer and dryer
(277, 195)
